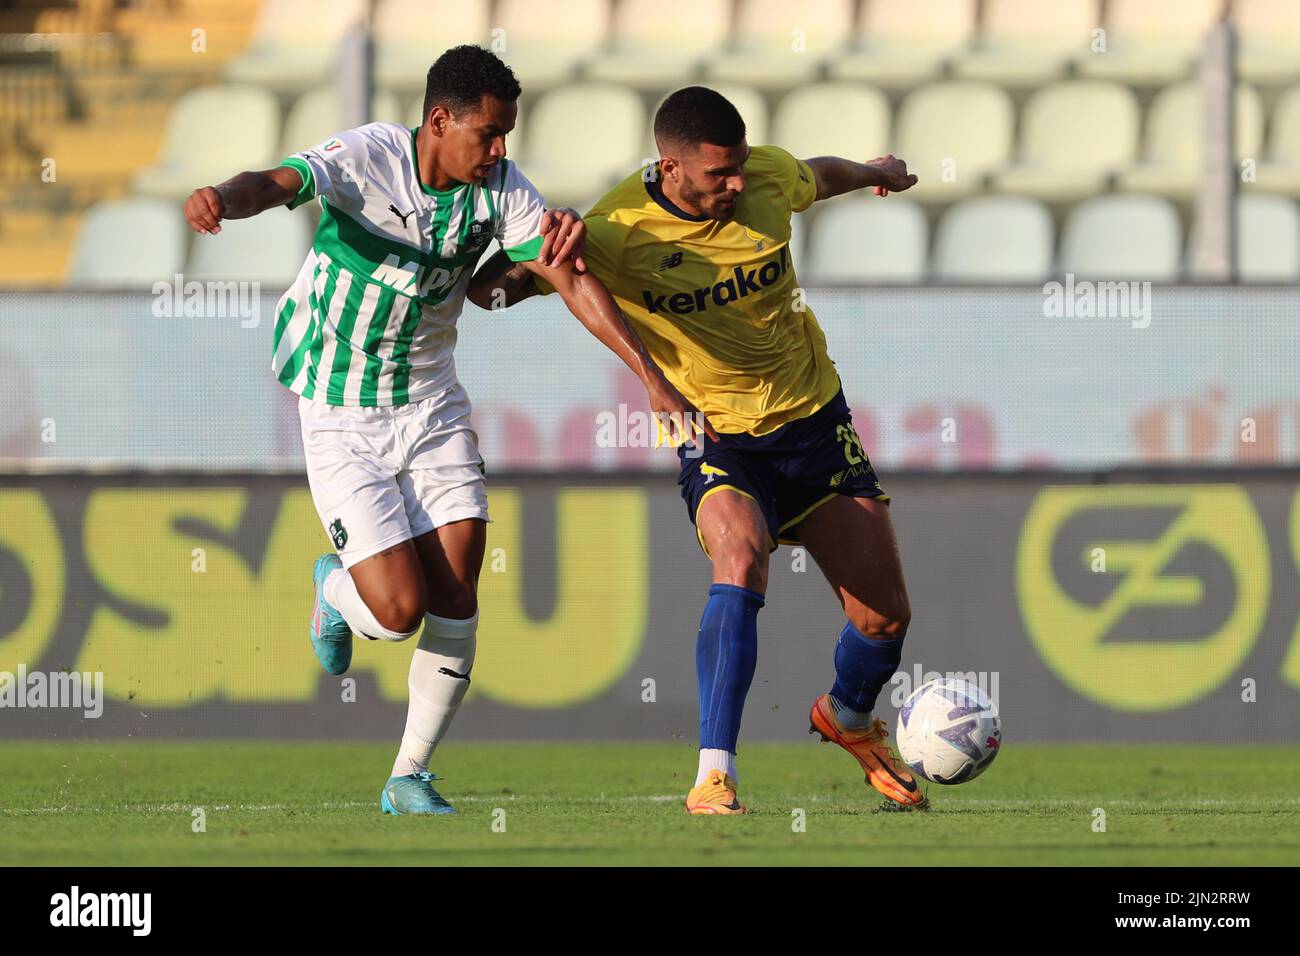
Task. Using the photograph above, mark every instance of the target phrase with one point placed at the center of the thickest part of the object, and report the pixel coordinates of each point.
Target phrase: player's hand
(893, 174)
(670, 406)
(204, 209)
(564, 237)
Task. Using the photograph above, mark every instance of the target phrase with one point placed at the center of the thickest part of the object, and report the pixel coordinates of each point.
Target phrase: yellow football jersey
(717, 303)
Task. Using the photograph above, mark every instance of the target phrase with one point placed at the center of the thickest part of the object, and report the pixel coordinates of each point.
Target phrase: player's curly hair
(697, 114)
(460, 78)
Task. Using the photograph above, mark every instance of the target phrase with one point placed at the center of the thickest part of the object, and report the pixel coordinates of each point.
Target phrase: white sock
(341, 591)
(723, 760)
(849, 718)
(447, 645)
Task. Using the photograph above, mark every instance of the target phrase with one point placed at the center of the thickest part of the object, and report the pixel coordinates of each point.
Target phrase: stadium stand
(994, 239)
(901, 46)
(1025, 43)
(294, 44)
(1075, 135)
(858, 240)
(210, 132)
(810, 121)
(266, 250)
(1171, 152)
(102, 260)
(1137, 237)
(1069, 104)
(650, 51)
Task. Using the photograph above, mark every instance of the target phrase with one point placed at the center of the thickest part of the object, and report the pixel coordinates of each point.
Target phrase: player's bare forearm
(836, 176)
(593, 306)
(500, 283)
(589, 300)
(241, 197)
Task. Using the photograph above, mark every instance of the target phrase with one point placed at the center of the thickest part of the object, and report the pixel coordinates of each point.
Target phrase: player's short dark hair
(697, 114)
(459, 79)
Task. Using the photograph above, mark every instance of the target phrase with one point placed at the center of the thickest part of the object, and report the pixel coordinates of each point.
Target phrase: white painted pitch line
(280, 807)
(653, 798)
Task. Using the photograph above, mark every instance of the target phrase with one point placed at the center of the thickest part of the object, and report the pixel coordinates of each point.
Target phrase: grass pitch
(133, 803)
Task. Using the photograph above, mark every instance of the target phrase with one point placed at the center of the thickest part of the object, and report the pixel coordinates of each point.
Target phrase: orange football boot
(884, 771)
(717, 794)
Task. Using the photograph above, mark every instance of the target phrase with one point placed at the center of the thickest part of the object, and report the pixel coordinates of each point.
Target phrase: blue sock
(862, 666)
(726, 651)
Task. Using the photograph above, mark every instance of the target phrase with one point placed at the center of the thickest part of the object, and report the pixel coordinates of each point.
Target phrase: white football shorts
(381, 476)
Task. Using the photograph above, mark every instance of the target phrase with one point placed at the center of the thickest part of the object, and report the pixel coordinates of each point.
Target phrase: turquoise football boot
(331, 637)
(412, 794)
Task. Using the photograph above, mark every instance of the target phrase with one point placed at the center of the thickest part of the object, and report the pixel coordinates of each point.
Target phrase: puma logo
(399, 214)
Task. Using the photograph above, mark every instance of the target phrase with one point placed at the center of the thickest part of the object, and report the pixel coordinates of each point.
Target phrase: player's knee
(402, 613)
(458, 605)
(887, 621)
(742, 562)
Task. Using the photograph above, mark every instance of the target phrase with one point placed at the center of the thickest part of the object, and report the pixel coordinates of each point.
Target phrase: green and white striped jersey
(371, 317)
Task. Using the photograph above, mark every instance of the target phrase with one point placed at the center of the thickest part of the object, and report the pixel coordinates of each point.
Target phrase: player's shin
(726, 652)
(863, 665)
(438, 681)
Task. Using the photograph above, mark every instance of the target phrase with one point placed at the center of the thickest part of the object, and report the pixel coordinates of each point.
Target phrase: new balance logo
(399, 214)
(736, 286)
(670, 262)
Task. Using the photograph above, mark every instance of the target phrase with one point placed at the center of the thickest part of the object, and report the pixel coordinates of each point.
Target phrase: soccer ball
(949, 731)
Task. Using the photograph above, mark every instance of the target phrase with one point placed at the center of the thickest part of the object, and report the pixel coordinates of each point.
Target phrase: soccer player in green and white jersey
(365, 337)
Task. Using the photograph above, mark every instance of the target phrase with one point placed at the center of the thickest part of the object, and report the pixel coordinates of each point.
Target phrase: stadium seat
(411, 34)
(994, 239)
(651, 51)
(750, 103)
(1074, 135)
(782, 43)
(902, 45)
(1171, 154)
(864, 239)
(582, 139)
(212, 133)
(953, 135)
(1122, 237)
(1268, 40)
(1279, 172)
(544, 46)
(315, 117)
(1150, 42)
(268, 249)
(295, 44)
(833, 119)
(1026, 43)
(101, 259)
(1267, 242)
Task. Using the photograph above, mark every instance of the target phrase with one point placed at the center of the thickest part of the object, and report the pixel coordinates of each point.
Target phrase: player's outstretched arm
(589, 300)
(835, 176)
(500, 282)
(240, 197)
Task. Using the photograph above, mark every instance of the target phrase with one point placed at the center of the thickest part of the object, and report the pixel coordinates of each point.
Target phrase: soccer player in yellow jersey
(696, 252)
